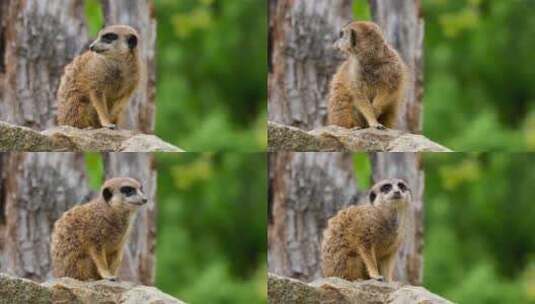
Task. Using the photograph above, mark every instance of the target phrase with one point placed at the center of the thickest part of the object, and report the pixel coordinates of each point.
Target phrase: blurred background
(211, 73)
(479, 76)
(479, 245)
(211, 225)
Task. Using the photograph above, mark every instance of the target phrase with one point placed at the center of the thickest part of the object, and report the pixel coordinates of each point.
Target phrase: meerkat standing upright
(367, 89)
(88, 240)
(361, 242)
(98, 84)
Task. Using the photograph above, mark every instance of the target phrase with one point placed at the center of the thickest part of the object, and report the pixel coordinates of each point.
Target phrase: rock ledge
(334, 138)
(335, 290)
(65, 138)
(65, 290)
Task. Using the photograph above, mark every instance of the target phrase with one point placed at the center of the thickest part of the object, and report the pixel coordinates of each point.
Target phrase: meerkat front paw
(111, 279)
(379, 278)
(379, 126)
(110, 126)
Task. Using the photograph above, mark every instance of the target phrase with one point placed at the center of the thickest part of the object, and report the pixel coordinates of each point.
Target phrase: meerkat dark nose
(397, 194)
(144, 201)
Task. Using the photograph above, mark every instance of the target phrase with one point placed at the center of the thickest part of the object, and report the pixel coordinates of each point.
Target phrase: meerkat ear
(132, 42)
(353, 38)
(373, 195)
(106, 194)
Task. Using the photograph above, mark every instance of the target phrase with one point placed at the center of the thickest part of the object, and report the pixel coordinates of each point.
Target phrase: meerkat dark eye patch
(107, 194)
(385, 188)
(353, 38)
(341, 34)
(373, 195)
(132, 41)
(109, 37)
(402, 187)
(128, 191)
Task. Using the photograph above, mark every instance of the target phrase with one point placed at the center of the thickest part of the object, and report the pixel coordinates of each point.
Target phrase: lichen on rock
(65, 138)
(334, 138)
(339, 291)
(66, 290)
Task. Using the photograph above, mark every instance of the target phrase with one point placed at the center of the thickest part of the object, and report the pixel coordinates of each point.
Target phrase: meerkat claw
(379, 278)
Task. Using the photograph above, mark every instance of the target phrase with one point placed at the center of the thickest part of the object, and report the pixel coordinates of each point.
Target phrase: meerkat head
(123, 192)
(360, 37)
(390, 192)
(116, 40)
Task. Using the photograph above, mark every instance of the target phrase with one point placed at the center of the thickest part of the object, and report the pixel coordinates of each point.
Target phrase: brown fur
(88, 240)
(98, 84)
(367, 89)
(361, 242)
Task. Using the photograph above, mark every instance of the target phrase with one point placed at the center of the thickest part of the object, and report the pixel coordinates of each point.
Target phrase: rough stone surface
(334, 138)
(65, 138)
(336, 290)
(65, 290)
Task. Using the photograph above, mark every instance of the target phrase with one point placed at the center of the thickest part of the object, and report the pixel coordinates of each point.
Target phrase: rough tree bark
(302, 58)
(40, 38)
(306, 189)
(38, 188)
(301, 62)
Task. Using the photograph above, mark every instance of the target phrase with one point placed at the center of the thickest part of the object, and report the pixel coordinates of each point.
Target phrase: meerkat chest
(120, 80)
(391, 231)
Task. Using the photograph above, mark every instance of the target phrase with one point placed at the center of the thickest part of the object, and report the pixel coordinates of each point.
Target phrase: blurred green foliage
(479, 93)
(212, 69)
(479, 244)
(211, 237)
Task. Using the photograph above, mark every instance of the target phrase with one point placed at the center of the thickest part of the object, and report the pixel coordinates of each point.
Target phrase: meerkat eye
(353, 38)
(132, 41)
(109, 37)
(402, 187)
(341, 34)
(373, 195)
(128, 191)
(385, 188)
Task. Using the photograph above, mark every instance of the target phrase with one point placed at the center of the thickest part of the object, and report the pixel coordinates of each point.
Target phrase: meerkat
(97, 85)
(88, 240)
(367, 89)
(361, 242)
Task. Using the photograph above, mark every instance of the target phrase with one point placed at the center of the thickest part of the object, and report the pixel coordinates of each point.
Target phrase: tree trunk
(306, 189)
(40, 38)
(138, 264)
(302, 59)
(38, 188)
(301, 63)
